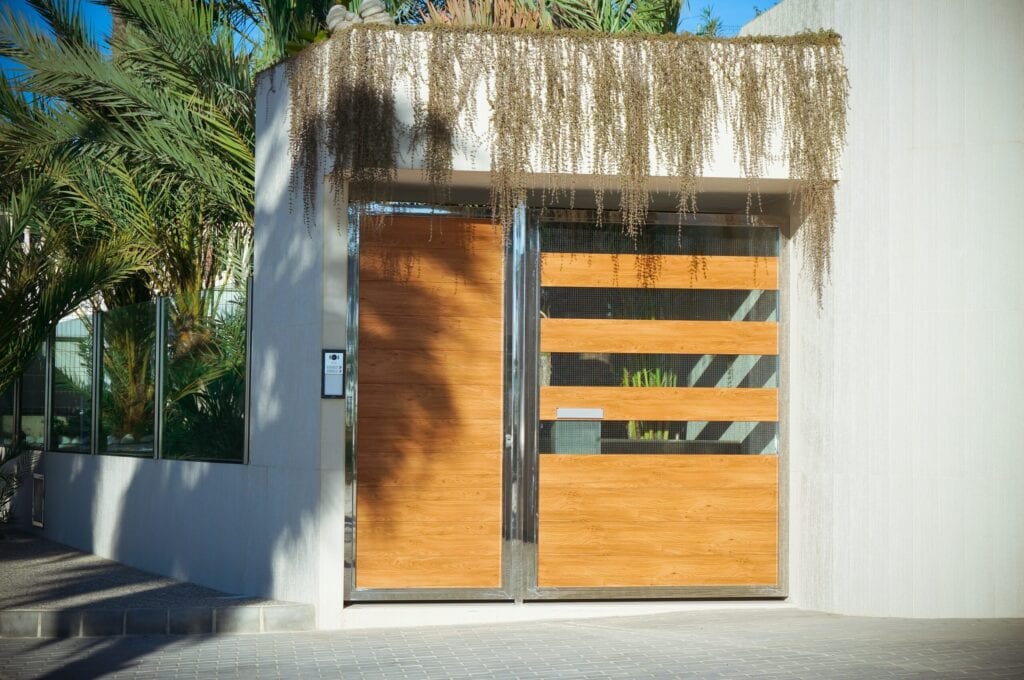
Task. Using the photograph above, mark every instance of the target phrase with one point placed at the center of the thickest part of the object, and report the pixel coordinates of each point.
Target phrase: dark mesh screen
(652, 304)
(661, 239)
(652, 370)
(645, 437)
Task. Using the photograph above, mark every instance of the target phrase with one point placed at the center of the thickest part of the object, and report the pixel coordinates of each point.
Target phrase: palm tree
(48, 268)
(606, 16)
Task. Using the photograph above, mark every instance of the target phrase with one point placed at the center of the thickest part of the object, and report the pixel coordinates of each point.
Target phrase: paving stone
(19, 624)
(191, 621)
(781, 643)
(238, 620)
(101, 622)
(146, 622)
(288, 618)
(60, 624)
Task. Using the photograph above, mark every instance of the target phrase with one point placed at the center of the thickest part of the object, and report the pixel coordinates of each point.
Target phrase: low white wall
(906, 390)
(273, 527)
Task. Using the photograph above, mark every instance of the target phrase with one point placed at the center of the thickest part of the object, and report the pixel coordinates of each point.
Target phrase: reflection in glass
(7, 417)
(71, 429)
(608, 437)
(32, 416)
(204, 388)
(127, 391)
(598, 369)
(659, 304)
(660, 240)
(650, 371)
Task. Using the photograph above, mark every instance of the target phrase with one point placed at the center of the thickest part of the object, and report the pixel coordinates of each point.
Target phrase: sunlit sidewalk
(783, 643)
(49, 590)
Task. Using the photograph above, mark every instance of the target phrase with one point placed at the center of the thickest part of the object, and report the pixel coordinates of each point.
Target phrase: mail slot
(579, 413)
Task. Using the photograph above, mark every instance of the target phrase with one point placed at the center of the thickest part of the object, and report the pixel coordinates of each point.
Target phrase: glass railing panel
(31, 429)
(7, 429)
(71, 391)
(204, 376)
(128, 380)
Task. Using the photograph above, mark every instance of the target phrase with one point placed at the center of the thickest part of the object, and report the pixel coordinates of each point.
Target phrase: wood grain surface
(658, 520)
(591, 270)
(659, 337)
(665, 403)
(429, 434)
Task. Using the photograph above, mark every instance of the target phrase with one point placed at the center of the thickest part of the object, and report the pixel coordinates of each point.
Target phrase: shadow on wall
(430, 402)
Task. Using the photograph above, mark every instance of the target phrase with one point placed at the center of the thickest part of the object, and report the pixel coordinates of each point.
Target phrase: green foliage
(12, 476)
(204, 416)
(648, 377)
(128, 171)
(50, 267)
(127, 397)
(710, 24)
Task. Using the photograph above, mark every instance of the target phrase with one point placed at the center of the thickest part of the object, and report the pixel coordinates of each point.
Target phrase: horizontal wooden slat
(403, 300)
(672, 520)
(402, 473)
(455, 568)
(431, 439)
(665, 403)
(672, 271)
(659, 337)
(660, 538)
(649, 509)
(633, 473)
(642, 570)
(438, 265)
(454, 508)
(424, 331)
(418, 233)
(431, 495)
(427, 366)
(404, 403)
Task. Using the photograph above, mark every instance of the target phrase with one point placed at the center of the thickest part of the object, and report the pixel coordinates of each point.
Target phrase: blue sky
(734, 13)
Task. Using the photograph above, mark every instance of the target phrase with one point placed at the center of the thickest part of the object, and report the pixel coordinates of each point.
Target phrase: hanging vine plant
(566, 104)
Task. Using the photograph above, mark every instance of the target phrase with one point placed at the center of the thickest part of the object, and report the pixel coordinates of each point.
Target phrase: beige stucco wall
(907, 389)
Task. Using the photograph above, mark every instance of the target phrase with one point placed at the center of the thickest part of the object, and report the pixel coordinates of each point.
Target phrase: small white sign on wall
(332, 385)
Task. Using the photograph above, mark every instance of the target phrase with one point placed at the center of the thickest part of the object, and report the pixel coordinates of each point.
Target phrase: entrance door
(657, 410)
(568, 413)
(429, 430)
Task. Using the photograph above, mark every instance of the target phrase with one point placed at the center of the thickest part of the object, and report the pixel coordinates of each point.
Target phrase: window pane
(661, 240)
(204, 389)
(71, 429)
(640, 437)
(593, 369)
(668, 304)
(680, 324)
(7, 417)
(126, 402)
(32, 426)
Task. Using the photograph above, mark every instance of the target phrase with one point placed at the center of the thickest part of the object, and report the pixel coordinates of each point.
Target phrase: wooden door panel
(683, 528)
(429, 433)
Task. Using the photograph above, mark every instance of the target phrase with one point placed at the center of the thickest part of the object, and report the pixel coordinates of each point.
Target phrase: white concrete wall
(907, 390)
(275, 526)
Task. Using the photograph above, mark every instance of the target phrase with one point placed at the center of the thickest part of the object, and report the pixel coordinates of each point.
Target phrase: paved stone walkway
(51, 590)
(716, 644)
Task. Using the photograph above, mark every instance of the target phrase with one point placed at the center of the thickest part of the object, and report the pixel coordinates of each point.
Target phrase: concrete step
(48, 590)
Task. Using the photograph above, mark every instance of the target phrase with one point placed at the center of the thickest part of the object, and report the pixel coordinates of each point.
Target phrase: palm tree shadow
(430, 402)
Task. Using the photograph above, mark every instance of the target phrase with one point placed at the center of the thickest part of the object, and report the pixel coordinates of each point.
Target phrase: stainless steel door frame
(511, 468)
(529, 589)
(520, 458)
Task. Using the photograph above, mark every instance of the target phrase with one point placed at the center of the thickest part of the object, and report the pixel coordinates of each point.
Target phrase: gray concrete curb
(65, 623)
